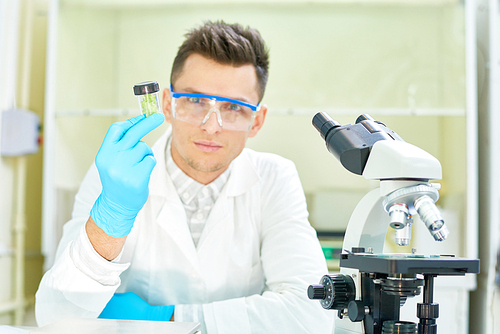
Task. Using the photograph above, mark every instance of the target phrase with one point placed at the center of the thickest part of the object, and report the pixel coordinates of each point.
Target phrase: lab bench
(107, 326)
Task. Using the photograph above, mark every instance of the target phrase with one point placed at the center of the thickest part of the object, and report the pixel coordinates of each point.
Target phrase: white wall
(322, 57)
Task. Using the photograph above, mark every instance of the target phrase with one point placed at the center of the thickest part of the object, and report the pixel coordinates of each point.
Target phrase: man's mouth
(207, 146)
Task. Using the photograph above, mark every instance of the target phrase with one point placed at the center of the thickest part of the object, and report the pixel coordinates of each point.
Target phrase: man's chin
(205, 167)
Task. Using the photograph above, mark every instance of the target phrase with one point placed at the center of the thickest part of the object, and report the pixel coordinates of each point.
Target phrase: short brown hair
(228, 44)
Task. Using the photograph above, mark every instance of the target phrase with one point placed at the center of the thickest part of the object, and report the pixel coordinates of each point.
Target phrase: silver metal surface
(430, 215)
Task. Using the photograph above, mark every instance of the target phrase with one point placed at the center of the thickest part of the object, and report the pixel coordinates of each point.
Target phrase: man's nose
(213, 123)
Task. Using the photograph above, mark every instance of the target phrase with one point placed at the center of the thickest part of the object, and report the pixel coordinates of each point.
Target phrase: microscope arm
(364, 228)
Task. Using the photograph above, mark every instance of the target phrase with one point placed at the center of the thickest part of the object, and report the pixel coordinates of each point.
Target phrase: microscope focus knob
(357, 310)
(334, 291)
(316, 291)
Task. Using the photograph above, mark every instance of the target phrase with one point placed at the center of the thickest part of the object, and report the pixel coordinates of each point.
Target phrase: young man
(197, 228)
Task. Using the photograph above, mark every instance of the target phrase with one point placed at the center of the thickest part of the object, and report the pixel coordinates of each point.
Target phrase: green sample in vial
(147, 95)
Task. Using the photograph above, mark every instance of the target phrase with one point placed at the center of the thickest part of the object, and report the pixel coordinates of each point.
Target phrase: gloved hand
(125, 164)
(129, 306)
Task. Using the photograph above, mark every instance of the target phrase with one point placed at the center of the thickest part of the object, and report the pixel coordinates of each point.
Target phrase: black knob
(334, 291)
(356, 310)
(316, 291)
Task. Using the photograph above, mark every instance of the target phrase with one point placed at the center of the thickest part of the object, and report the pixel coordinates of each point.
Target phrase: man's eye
(195, 100)
(233, 107)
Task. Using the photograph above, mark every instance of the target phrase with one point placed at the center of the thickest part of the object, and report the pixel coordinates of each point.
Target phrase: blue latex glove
(125, 164)
(129, 306)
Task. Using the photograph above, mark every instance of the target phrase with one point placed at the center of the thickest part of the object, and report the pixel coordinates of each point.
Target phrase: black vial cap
(147, 87)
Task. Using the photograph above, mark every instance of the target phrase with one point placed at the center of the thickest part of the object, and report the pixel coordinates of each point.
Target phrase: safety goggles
(196, 109)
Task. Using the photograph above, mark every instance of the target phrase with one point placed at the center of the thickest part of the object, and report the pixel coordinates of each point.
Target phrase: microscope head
(371, 149)
(399, 160)
(404, 171)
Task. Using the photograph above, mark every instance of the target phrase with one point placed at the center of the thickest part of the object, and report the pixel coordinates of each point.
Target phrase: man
(197, 228)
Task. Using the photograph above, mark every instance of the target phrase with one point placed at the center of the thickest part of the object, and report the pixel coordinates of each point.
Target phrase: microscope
(372, 285)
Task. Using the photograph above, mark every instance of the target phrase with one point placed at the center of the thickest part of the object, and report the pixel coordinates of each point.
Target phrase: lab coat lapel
(221, 219)
(172, 219)
(172, 216)
(219, 224)
(219, 236)
(243, 175)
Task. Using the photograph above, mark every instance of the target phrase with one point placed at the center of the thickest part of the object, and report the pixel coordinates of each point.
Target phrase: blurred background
(423, 68)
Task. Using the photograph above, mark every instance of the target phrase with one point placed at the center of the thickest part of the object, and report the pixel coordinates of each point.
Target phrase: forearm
(70, 289)
(79, 284)
(287, 311)
(105, 245)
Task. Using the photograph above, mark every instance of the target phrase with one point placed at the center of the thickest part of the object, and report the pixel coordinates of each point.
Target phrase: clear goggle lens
(197, 109)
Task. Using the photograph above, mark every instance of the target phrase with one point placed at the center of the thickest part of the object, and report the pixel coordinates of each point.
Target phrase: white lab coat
(255, 258)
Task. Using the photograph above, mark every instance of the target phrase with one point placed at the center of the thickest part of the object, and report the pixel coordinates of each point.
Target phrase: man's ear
(258, 121)
(167, 105)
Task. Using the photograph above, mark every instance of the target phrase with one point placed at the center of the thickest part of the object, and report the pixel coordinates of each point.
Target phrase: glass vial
(147, 96)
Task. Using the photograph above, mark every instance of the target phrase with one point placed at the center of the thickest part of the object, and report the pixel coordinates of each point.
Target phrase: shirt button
(199, 216)
(185, 195)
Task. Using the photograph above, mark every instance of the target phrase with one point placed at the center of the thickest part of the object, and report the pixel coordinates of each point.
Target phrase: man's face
(205, 151)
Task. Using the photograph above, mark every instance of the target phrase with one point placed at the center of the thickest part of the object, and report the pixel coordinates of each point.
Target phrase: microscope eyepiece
(351, 143)
(324, 123)
(364, 117)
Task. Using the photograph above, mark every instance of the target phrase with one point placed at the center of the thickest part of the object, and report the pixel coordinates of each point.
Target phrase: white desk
(107, 326)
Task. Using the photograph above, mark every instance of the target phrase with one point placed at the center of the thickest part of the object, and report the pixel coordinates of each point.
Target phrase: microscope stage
(409, 264)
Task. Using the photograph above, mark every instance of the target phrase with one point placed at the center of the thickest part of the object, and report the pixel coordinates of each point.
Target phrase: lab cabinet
(410, 64)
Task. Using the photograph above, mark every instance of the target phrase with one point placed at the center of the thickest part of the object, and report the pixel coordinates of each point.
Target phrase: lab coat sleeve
(190, 313)
(81, 282)
(292, 259)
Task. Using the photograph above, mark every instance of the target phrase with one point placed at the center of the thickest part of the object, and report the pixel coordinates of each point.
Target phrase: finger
(140, 129)
(118, 129)
(139, 151)
(147, 164)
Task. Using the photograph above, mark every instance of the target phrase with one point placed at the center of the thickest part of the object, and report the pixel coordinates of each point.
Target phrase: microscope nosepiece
(430, 215)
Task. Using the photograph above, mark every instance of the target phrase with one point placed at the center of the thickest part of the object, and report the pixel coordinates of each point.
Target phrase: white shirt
(249, 273)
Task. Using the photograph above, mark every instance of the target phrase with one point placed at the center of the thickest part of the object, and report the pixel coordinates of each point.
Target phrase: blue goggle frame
(254, 108)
